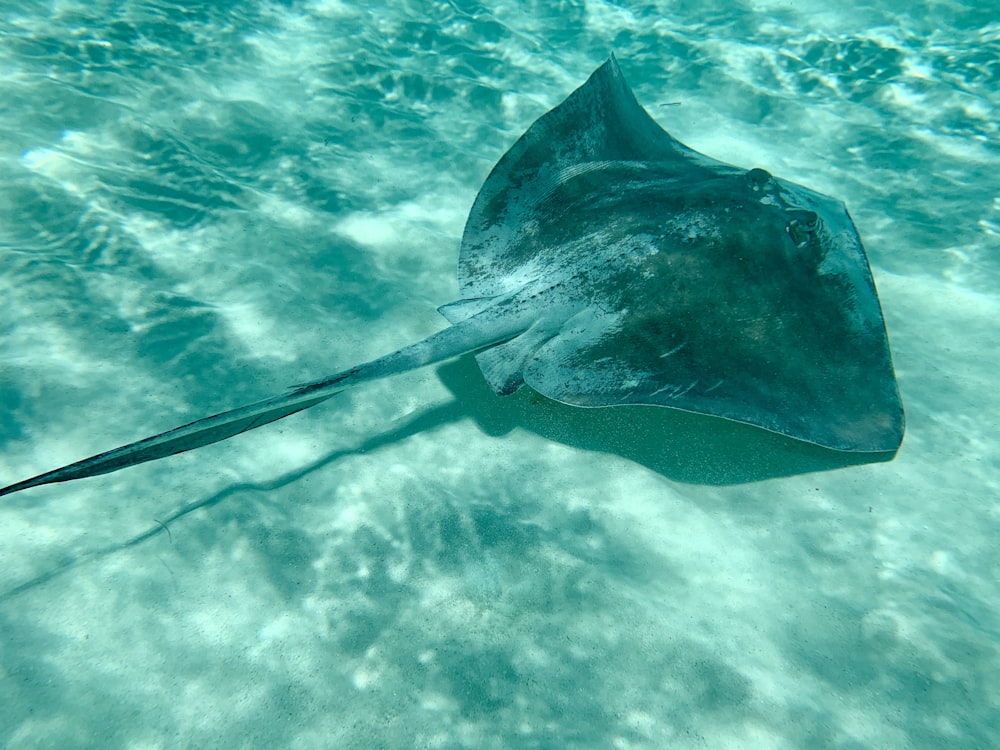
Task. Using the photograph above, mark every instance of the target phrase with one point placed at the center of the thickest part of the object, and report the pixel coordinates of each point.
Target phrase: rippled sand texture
(204, 203)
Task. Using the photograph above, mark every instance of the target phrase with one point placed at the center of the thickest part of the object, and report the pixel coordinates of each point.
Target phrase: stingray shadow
(680, 446)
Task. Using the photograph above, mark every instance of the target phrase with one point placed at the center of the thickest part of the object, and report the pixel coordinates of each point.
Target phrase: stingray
(605, 263)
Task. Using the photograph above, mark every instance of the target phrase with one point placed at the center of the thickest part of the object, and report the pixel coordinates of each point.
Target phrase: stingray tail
(468, 335)
(187, 437)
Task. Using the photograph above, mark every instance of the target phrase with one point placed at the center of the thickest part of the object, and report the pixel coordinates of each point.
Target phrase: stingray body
(605, 263)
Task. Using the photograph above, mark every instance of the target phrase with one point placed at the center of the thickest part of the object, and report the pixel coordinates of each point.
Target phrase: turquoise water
(201, 204)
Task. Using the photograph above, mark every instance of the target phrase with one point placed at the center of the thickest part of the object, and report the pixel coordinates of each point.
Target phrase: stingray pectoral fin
(196, 434)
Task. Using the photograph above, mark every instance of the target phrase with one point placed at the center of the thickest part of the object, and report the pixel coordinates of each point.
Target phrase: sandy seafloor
(203, 203)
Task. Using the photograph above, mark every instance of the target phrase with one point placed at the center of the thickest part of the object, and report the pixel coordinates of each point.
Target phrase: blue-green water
(201, 204)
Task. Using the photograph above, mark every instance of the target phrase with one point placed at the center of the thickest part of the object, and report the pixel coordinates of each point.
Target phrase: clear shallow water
(204, 204)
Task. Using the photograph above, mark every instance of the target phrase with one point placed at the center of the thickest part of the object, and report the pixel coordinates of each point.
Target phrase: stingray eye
(802, 226)
(808, 220)
(759, 179)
